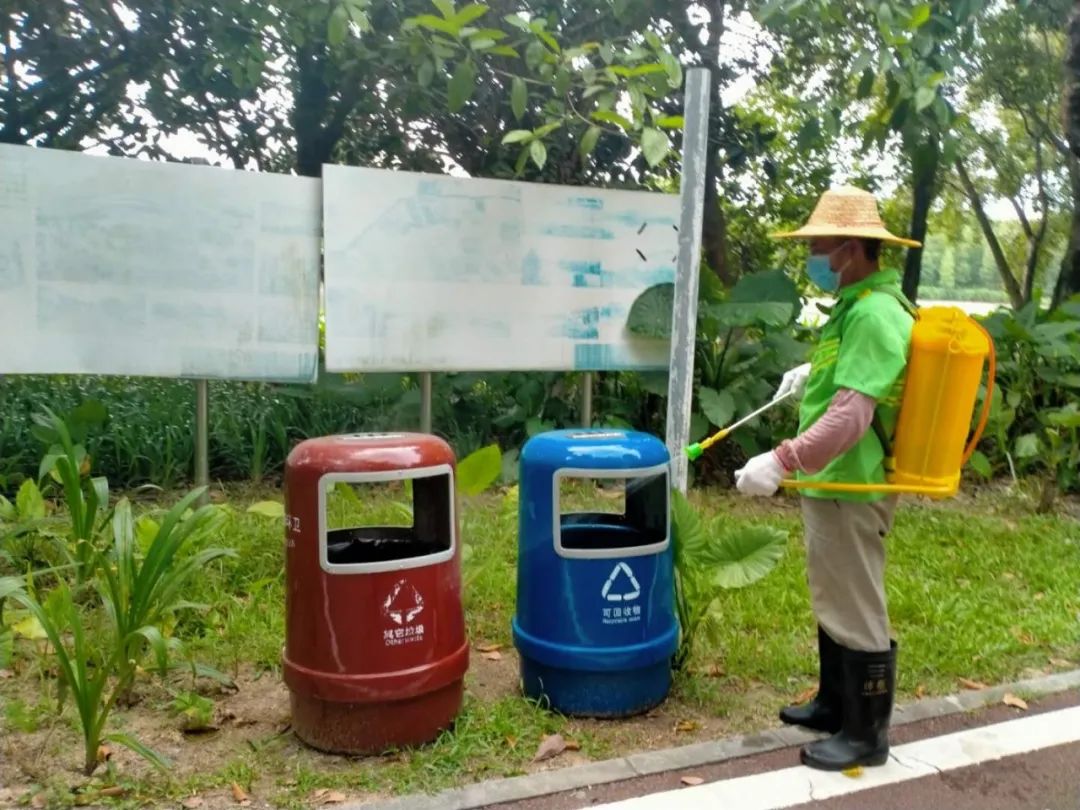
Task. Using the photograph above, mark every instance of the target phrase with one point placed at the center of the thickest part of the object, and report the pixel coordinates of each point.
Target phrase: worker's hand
(794, 381)
(761, 475)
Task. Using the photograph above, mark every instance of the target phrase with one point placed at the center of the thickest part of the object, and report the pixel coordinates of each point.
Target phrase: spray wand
(696, 450)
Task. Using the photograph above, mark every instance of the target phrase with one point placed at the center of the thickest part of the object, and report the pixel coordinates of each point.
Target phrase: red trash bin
(375, 649)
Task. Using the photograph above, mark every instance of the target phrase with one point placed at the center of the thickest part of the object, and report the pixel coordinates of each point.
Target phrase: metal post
(425, 402)
(586, 399)
(202, 436)
(684, 316)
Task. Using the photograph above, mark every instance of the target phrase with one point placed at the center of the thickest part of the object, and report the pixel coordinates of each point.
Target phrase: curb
(546, 783)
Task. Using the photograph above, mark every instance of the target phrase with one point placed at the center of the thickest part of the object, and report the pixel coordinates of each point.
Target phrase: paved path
(996, 758)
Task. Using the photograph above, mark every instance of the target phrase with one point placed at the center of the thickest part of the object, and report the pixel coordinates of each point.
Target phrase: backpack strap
(889, 462)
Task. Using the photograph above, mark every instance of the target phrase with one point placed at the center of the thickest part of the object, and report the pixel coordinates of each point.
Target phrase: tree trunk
(1069, 280)
(924, 175)
(1012, 287)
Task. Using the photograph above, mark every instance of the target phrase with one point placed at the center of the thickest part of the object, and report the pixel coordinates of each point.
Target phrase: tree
(1069, 279)
(1015, 140)
(67, 68)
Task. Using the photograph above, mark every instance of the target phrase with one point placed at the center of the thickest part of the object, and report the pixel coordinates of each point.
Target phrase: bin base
(596, 694)
(371, 728)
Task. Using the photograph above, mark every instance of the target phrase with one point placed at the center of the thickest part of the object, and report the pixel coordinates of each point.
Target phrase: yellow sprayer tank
(948, 349)
(944, 372)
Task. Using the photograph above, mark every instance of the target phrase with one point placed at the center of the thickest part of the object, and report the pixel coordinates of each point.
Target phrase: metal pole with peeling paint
(684, 315)
(425, 402)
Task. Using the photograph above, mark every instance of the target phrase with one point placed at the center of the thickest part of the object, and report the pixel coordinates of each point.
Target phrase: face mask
(820, 272)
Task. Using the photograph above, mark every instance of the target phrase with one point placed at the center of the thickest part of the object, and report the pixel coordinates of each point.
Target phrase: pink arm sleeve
(837, 431)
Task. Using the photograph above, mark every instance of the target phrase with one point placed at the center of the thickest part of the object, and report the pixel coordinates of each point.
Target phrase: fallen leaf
(5, 674)
(238, 793)
(692, 781)
(333, 797)
(318, 794)
(804, 696)
(1012, 700)
(38, 801)
(1060, 662)
(967, 683)
(551, 746)
(573, 745)
(1039, 596)
(512, 742)
(104, 753)
(488, 648)
(492, 656)
(686, 726)
(192, 802)
(920, 691)
(853, 773)
(30, 628)
(113, 790)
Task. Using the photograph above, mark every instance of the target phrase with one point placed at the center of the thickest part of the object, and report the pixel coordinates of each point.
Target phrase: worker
(851, 393)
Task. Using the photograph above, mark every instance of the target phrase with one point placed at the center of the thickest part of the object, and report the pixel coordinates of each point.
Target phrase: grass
(983, 590)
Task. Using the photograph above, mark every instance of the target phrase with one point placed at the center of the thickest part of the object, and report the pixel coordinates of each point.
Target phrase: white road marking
(794, 786)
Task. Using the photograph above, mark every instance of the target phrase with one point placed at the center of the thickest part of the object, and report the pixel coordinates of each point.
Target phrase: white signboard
(433, 273)
(119, 266)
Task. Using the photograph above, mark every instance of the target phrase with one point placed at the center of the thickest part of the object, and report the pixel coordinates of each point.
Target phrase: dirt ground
(255, 715)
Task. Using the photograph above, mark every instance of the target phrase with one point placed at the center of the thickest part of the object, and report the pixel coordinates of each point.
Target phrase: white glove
(761, 475)
(794, 380)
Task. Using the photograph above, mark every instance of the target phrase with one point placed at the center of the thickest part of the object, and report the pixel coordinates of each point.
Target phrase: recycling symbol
(622, 585)
(404, 603)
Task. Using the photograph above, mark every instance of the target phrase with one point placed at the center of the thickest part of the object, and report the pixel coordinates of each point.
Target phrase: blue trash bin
(595, 623)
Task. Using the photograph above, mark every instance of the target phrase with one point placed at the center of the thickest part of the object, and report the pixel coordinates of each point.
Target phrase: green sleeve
(873, 353)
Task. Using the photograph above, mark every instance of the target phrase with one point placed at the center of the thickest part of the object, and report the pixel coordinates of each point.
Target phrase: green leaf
(1027, 446)
(29, 628)
(270, 509)
(589, 141)
(28, 501)
(924, 97)
(7, 509)
(433, 23)
(518, 21)
(549, 40)
(470, 13)
(479, 470)
(717, 405)
(687, 532)
(981, 464)
(670, 122)
(337, 27)
(518, 136)
(159, 761)
(426, 74)
(744, 556)
(866, 84)
(1063, 417)
(611, 117)
(673, 68)
(767, 285)
(538, 153)
(735, 315)
(654, 145)
(445, 7)
(504, 50)
(650, 314)
(519, 98)
(920, 16)
(461, 86)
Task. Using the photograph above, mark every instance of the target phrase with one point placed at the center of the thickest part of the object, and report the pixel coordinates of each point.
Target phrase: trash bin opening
(369, 522)
(608, 513)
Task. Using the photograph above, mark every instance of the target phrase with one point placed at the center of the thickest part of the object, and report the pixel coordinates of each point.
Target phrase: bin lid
(371, 452)
(594, 449)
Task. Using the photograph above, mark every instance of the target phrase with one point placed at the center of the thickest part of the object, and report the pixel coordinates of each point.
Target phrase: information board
(122, 266)
(434, 273)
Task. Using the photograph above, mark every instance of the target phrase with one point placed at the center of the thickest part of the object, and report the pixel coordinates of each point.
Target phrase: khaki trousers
(845, 565)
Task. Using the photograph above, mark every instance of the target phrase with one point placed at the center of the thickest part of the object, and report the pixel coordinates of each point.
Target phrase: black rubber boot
(824, 712)
(869, 686)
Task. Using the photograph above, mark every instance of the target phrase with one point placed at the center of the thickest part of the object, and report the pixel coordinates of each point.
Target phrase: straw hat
(847, 211)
